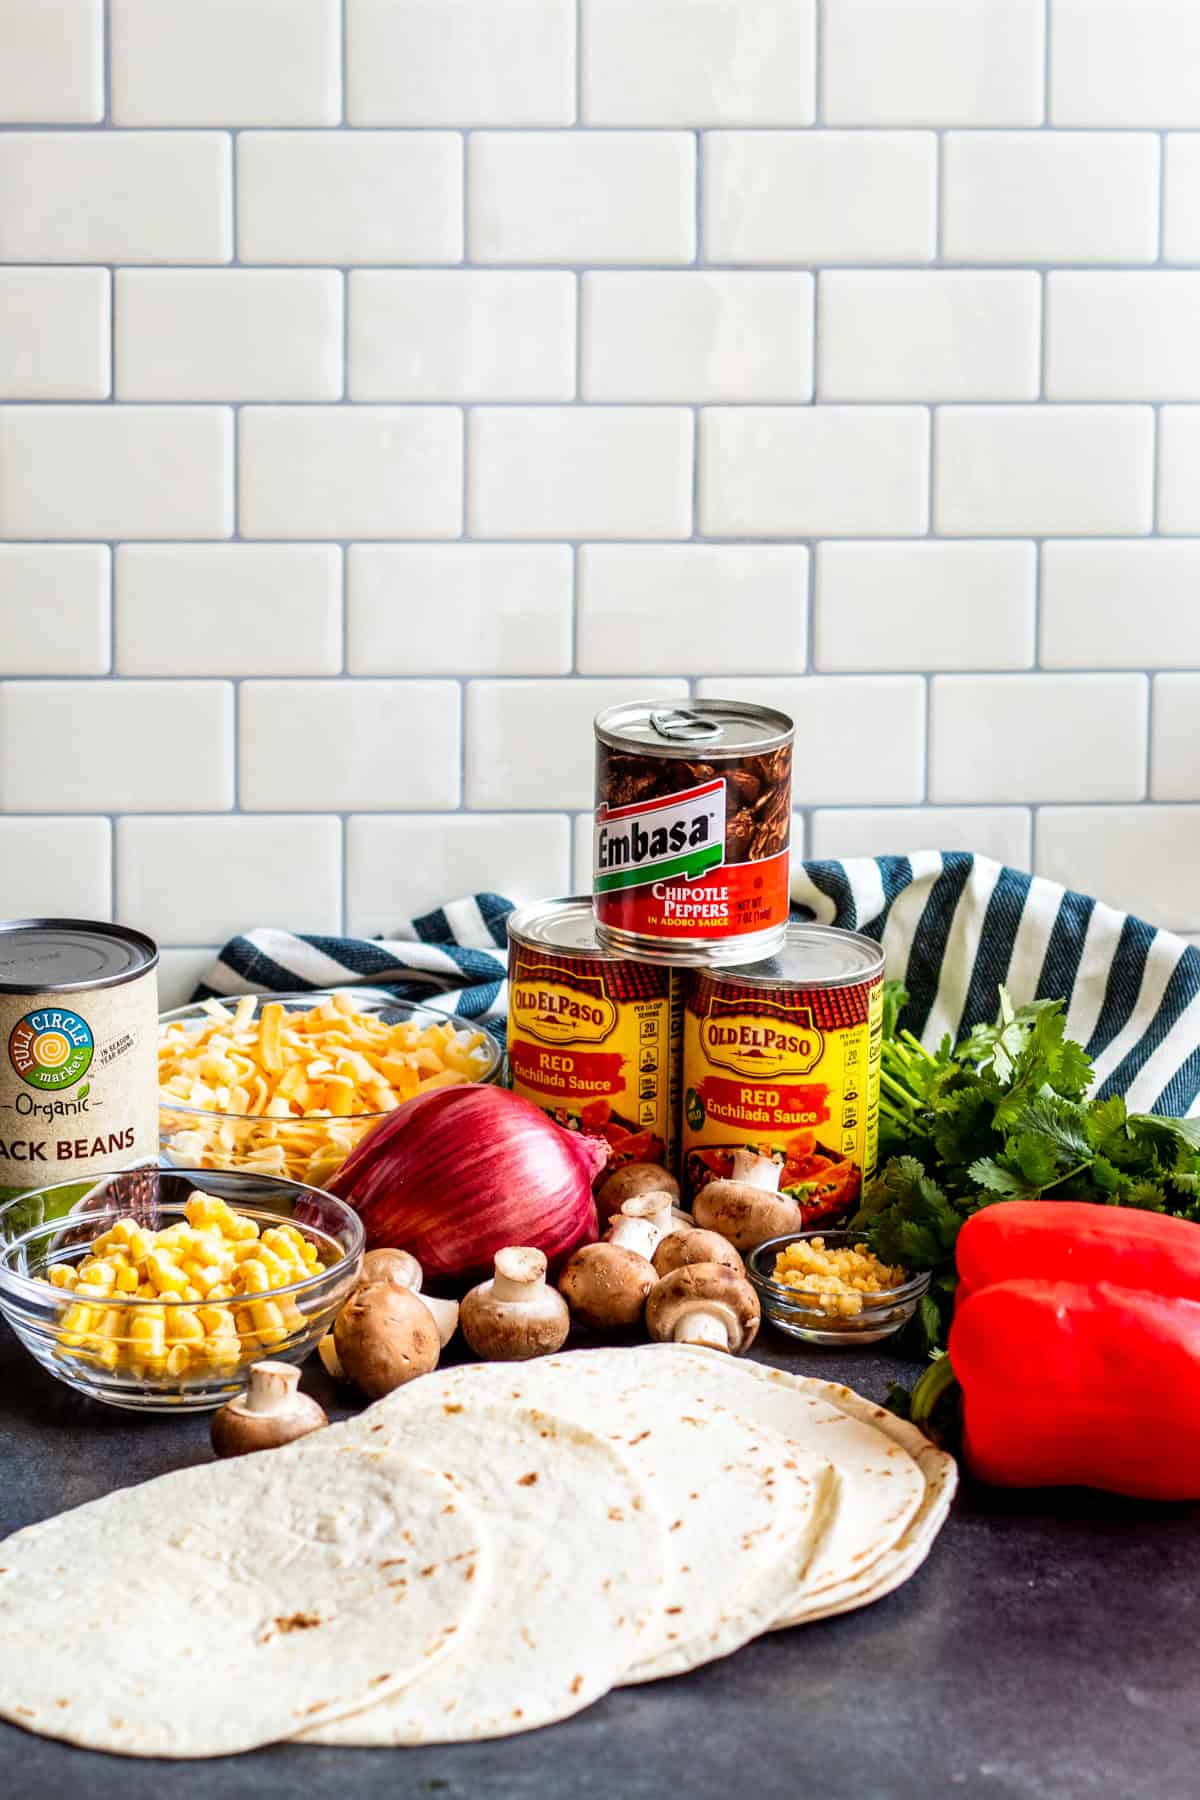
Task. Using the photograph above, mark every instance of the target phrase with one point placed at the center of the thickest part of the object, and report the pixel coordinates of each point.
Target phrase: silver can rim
(778, 729)
(752, 974)
(122, 934)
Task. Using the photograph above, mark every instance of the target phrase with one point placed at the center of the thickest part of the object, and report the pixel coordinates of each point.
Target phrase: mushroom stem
(756, 1171)
(445, 1316)
(702, 1328)
(642, 1223)
(271, 1386)
(518, 1273)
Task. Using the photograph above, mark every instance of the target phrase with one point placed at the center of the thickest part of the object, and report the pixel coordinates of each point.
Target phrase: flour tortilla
(940, 1475)
(881, 1486)
(579, 1553)
(744, 1506)
(214, 1609)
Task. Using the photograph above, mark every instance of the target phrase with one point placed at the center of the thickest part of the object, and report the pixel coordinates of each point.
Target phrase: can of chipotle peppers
(692, 828)
(593, 1039)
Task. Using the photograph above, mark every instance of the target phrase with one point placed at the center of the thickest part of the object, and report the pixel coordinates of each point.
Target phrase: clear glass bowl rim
(27, 1287)
(379, 996)
(809, 1299)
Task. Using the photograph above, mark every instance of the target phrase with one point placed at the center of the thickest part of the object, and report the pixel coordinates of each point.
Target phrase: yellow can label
(595, 1043)
(790, 1072)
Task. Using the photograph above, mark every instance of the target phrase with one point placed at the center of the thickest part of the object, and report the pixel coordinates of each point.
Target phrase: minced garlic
(837, 1279)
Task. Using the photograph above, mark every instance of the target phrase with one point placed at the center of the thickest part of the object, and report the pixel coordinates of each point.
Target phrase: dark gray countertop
(1050, 1647)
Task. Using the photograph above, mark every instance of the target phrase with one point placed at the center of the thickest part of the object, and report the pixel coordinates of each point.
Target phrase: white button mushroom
(515, 1315)
(746, 1207)
(272, 1411)
(704, 1303)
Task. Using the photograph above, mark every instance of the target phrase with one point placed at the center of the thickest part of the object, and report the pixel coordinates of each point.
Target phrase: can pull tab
(684, 727)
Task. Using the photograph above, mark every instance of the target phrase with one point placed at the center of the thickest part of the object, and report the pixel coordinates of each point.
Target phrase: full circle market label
(51, 1049)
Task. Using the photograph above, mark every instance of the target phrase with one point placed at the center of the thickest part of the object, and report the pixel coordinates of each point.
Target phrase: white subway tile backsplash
(1181, 197)
(548, 471)
(570, 197)
(52, 62)
(400, 868)
(229, 334)
(1050, 196)
(928, 335)
(925, 605)
(462, 334)
(349, 196)
(1124, 62)
(1022, 470)
(180, 973)
(697, 336)
(1001, 832)
(459, 609)
(654, 609)
(1123, 335)
(228, 609)
(699, 62)
(225, 62)
(107, 746)
(460, 62)
(130, 471)
(241, 872)
(1062, 737)
(335, 472)
(68, 861)
(933, 62)
(1109, 604)
(1179, 469)
(796, 471)
(333, 746)
(819, 196)
(1145, 859)
(55, 330)
(530, 743)
(841, 721)
(54, 612)
(120, 196)
(1175, 738)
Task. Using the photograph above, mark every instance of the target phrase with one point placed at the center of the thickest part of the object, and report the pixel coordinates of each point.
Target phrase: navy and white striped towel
(952, 925)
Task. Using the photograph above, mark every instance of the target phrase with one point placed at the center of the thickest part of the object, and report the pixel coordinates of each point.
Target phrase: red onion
(456, 1174)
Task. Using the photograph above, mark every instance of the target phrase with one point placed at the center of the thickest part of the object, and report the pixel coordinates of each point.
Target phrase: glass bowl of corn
(159, 1288)
(826, 1287)
(288, 1084)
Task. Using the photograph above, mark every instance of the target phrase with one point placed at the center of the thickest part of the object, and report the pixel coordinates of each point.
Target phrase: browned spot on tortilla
(62, 1703)
(428, 1570)
(317, 1706)
(616, 1514)
(672, 1610)
(297, 1621)
(377, 1428)
(687, 1419)
(517, 1713)
(30, 1714)
(469, 1572)
(401, 1581)
(678, 1525)
(693, 1496)
(448, 1508)
(685, 1568)
(452, 1407)
(577, 1684)
(529, 1480)
(393, 1562)
(376, 1679)
(641, 1436)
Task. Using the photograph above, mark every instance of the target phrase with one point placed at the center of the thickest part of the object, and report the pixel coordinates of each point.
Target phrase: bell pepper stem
(937, 1381)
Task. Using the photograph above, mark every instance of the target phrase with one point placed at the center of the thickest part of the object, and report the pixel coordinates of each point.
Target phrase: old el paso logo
(749, 1044)
(562, 1015)
(680, 835)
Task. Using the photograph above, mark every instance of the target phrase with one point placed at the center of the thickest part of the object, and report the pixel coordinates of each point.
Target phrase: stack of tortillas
(488, 1550)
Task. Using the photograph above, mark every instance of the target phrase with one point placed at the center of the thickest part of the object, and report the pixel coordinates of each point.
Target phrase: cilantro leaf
(1007, 1183)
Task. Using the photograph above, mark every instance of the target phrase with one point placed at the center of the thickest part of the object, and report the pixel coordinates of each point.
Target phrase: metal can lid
(694, 728)
(814, 956)
(563, 925)
(50, 956)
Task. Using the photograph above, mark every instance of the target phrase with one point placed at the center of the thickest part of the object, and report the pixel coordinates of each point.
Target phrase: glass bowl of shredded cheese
(159, 1288)
(827, 1287)
(288, 1084)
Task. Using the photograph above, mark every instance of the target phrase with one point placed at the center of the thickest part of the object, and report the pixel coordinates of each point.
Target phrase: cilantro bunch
(1004, 1115)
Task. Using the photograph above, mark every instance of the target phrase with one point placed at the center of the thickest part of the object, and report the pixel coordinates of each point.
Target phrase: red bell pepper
(1076, 1346)
(1068, 1240)
(1093, 1385)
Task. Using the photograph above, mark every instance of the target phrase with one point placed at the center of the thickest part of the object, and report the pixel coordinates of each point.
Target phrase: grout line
(818, 62)
(1047, 25)
(1160, 259)
(578, 70)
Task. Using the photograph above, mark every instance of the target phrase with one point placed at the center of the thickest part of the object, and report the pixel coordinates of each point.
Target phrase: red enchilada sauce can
(692, 831)
(593, 1040)
(783, 1058)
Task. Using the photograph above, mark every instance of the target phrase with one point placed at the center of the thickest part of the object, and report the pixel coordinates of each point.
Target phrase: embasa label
(680, 835)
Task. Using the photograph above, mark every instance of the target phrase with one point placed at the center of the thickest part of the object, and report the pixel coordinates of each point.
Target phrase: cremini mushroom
(679, 1248)
(384, 1336)
(606, 1284)
(704, 1303)
(272, 1411)
(746, 1206)
(631, 1179)
(397, 1266)
(515, 1315)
